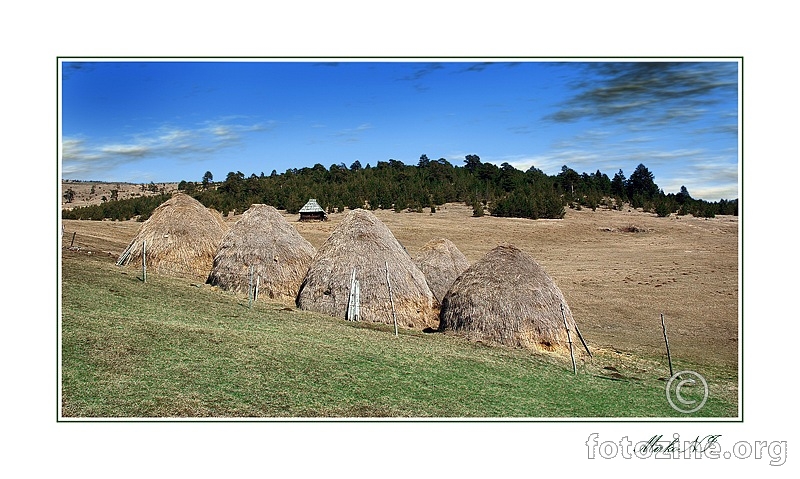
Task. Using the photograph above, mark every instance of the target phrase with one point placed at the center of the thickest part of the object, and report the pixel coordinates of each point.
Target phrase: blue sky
(172, 120)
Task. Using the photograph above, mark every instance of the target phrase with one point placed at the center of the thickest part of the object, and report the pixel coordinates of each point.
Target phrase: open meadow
(173, 348)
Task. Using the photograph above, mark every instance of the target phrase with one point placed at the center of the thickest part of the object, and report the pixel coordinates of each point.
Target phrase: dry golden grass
(616, 283)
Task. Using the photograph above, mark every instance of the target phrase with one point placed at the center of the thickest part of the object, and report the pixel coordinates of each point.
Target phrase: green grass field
(168, 348)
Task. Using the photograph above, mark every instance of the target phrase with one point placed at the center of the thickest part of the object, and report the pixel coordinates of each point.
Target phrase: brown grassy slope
(125, 191)
(616, 283)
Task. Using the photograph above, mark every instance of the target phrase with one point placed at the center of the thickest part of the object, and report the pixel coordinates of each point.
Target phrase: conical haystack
(441, 262)
(507, 298)
(182, 237)
(362, 242)
(264, 240)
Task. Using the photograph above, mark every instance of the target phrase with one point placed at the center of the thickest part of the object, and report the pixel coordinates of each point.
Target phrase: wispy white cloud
(86, 157)
(707, 175)
(352, 135)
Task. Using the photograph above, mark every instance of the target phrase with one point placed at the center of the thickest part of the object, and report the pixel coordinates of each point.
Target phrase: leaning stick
(391, 299)
(582, 340)
(357, 305)
(569, 339)
(351, 297)
(664, 329)
(250, 289)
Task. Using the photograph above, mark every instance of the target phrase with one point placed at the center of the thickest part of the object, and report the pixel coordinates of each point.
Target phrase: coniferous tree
(618, 186)
(641, 184)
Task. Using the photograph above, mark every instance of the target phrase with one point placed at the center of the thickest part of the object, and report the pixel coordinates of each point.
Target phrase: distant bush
(477, 209)
(662, 209)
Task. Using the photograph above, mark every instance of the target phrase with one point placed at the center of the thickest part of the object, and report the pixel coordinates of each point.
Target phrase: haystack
(362, 242)
(441, 262)
(182, 238)
(507, 298)
(264, 240)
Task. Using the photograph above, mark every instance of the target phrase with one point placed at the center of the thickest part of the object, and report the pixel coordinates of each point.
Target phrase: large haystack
(182, 237)
(263, 239)
(441, 262)
(362, 242)
(507, 298)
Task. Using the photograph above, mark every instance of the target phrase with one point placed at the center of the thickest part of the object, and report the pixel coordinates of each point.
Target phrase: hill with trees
(501, 190)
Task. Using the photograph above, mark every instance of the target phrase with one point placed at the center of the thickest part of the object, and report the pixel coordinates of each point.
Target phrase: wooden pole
(250, 289)
(357, 314)
(582, 340)
(664, 329)
(569, 339)
(73, 239)
(258, 281)
(351, 298)
(144, 261)
(391, 299)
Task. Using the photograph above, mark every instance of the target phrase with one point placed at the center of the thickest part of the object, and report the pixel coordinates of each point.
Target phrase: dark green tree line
(499, 190)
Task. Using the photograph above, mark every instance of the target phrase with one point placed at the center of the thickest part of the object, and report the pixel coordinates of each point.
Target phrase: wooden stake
(357, 308)
(258, 281)
(569, 339)
(351, 297)
(73, 239)
(391, 299)
(250, 289)
(144, 261)
(664, 329)
(582, 340)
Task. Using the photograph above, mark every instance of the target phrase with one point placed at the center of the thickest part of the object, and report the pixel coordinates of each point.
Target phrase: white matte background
(33, 36)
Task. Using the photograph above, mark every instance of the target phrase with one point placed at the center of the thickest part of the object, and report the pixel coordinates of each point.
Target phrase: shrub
(477, 209)
(662, 209)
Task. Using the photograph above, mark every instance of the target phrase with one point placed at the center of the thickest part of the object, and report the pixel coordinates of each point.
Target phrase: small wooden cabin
(312, 211)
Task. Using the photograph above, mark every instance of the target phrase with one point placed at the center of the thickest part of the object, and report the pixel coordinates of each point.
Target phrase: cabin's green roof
(312, 207)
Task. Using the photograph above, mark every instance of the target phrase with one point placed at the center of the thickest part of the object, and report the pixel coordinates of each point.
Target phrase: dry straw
(264, 240)
(507, 298)
(182, 237)
(441, 262)
(362, 242)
